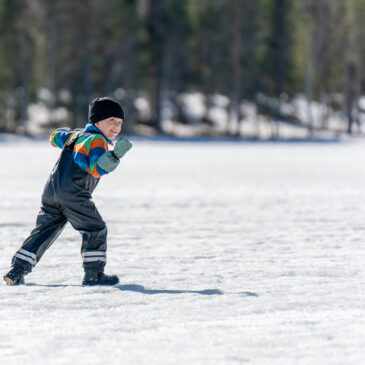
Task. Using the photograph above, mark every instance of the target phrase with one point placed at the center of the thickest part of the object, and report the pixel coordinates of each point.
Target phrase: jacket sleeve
(60, 136)
(98, 147)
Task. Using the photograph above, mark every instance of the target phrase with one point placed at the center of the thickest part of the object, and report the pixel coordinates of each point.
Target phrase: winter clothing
(67, 198)
(90, 145)
(15, 276)
(110, 160)
(99, 278)
(122, 147)
(103, 108)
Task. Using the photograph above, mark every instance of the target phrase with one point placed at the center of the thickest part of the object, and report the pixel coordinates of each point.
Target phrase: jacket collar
(91, 128)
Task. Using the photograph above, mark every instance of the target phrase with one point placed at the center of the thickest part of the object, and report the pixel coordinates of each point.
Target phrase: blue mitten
(110, 159)
(122, 147)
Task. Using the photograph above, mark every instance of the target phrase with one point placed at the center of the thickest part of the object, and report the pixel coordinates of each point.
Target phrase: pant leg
(50, 223)
(85, 218)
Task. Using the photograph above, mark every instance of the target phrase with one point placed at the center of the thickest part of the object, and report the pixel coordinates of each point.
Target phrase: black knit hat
(103, 108)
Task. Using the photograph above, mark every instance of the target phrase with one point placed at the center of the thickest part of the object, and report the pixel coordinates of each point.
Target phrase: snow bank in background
(228, 253)
(192, 114)
(193, 105)
(142, 105)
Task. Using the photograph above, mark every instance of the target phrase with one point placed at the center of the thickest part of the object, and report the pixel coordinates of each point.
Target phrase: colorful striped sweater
(87, 148)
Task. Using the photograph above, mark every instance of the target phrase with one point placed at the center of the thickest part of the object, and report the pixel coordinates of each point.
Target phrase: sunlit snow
(228, 253)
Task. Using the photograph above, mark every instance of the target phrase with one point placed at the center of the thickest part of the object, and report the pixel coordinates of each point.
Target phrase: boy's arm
(92, 155)
(109, 160)
(96, 148)
(59, 137)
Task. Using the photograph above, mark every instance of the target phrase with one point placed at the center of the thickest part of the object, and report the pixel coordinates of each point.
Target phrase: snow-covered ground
(228, 253)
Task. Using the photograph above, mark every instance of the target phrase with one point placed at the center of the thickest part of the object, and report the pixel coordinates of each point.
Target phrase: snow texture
(228, 253)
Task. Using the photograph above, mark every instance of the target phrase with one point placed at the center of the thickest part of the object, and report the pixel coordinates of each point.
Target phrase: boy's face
(111, 127)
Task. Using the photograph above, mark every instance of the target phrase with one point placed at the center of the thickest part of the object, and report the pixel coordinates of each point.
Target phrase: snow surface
(228, 253)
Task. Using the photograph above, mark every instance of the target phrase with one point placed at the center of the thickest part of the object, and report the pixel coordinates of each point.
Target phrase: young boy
(67, 194)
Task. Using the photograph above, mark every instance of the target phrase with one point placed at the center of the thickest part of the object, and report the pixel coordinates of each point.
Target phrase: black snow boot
(99, 278)
(15, 276)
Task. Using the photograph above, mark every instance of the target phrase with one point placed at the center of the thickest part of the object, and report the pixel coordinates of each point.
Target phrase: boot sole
(99, 284)
(9, 281)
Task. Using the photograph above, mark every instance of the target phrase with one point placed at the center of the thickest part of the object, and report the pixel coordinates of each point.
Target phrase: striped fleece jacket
(88, 148)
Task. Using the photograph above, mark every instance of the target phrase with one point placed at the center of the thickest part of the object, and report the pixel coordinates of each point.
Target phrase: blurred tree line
(67, 52)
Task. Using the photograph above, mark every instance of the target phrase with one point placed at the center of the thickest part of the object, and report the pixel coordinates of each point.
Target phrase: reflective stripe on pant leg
(26, 256)
(92, 256)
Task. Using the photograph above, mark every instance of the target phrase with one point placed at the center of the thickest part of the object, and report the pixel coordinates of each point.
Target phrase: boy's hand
(122, 147)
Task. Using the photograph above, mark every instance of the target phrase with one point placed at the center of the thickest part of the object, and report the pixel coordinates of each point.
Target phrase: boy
(67, 194)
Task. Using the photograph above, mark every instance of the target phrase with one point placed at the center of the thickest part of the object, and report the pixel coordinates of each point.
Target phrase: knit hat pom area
(103, 108)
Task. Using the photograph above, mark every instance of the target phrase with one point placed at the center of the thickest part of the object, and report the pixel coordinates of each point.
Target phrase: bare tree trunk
(351, 80)
(278, 28)
(351, 93)
(236, 60)
(24, 95)
(86, 68)
(320, 14)
(157, 37)
(309, 92)
(25, 79)
(52, 48)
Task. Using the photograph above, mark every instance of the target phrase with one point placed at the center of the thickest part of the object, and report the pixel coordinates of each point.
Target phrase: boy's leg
(50, 222)
(86, 219)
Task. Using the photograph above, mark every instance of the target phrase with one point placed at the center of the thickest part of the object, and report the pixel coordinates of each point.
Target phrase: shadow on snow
(141, 289)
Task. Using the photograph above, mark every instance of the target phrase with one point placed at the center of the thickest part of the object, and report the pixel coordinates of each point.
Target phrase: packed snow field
(228, 253)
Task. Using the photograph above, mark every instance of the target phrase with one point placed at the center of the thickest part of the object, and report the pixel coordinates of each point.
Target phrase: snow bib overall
(67, 198)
